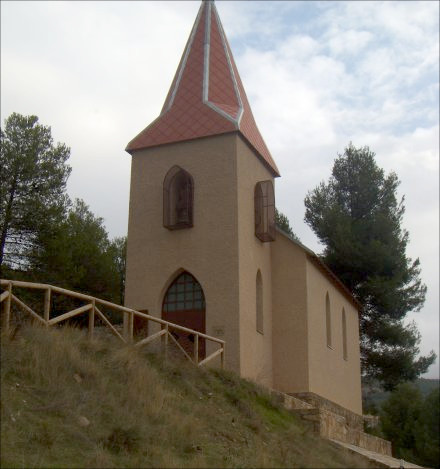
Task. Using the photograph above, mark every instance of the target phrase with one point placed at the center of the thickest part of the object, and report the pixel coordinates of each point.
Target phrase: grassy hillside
(67, 402)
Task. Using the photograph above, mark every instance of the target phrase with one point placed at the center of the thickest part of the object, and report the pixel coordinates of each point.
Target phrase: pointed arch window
(259, 302)
(344, 335)
(328, 321)
(178, 199)
(264, 202)
(184, 294)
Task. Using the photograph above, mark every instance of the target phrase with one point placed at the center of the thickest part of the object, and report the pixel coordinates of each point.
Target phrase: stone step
(290, 402)
(333, 426)
(382, 460)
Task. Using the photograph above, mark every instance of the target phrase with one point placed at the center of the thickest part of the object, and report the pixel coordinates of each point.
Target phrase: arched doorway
(184, 304)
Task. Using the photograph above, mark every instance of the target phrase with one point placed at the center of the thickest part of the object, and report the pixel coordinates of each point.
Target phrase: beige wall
(330, 375)
(209, 250)
(222, 252)
(289, 334)
(253, 255)
(302, 362)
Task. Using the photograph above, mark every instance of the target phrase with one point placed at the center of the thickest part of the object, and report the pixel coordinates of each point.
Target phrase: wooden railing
(92, 309)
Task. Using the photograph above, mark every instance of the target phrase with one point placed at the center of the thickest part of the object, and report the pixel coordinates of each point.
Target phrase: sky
(318, 76)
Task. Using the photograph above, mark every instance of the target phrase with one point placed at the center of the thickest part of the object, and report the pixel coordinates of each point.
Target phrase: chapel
(203, 247)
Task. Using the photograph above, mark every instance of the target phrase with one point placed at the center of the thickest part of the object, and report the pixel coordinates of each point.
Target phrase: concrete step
(382, 460)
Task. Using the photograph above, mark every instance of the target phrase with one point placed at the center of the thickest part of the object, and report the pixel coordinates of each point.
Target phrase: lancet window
(328, 321)
(264, 201)
(184, 294)
(178, 199)
(344, 335)
(259, 301)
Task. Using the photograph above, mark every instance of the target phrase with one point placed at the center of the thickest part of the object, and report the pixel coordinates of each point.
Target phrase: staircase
(344, 430)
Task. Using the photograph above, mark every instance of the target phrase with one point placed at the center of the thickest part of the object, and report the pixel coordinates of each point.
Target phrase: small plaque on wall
(218, 331)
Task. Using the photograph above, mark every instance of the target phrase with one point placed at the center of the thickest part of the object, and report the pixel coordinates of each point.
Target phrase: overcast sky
(318, 75)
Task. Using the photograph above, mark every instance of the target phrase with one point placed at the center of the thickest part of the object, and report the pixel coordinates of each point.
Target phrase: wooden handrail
(179, 346)
(4, 295)
(26, 308)
(211, 357)
(109, 324)
(93, 310)
(81, 296)
(70, 314)
(150, 338)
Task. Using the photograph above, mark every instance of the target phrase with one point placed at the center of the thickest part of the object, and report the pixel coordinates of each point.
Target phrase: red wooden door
(184, 304)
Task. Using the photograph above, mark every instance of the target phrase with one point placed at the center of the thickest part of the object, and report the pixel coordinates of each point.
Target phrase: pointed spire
(206, 96)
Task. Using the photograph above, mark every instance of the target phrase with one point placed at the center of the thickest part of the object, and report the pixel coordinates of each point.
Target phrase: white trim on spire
(221, 112)
(206, 47)
(185, 58)
(234, 80)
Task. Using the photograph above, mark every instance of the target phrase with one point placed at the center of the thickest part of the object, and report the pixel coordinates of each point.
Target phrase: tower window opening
(264, 201)
(344, 335)
(178, 199)
(259, 301)
(328, 321)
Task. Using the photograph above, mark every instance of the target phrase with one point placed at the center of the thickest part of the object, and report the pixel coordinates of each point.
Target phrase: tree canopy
(357, 216)
(282, 222)
(32, 193)
(79, 256)
(44, 237)
(118, 251)
(411, 422)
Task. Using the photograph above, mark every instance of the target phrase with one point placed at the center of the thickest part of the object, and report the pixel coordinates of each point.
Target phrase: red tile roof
(207, 96)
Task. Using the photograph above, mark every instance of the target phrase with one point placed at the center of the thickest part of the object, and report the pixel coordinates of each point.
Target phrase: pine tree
(32, 191)
(357, 216)
(283, 223)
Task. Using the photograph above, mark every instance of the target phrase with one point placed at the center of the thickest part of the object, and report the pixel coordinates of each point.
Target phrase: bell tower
(201, 217)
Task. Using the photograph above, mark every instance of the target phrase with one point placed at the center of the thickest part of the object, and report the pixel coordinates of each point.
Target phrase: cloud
(350, 42)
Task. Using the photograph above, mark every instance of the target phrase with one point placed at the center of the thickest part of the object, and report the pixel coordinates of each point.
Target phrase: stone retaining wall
(353, 420)
(290, 402)
(334, 427)
(331, 421)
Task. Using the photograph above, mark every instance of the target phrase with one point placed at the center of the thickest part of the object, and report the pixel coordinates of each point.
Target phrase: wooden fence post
(166, 342)
(196, 349)
(130, 326)
(47, 294)
(8, 307)
(92, 320)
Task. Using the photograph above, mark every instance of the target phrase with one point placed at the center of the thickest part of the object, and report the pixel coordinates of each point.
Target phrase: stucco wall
(253, 255)
(289, 333)
(330, 375)
(209, 250)
(224, 255)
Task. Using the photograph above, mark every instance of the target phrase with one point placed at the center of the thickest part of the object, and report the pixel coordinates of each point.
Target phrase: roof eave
(273, 170)
(143, 147)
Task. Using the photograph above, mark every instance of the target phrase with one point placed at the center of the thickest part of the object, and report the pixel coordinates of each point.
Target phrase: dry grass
(142, 412)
